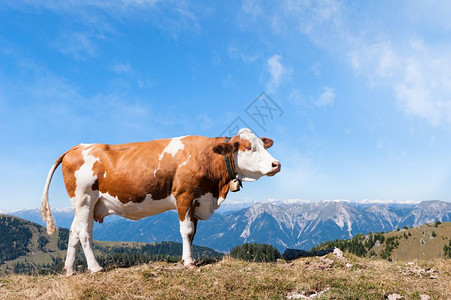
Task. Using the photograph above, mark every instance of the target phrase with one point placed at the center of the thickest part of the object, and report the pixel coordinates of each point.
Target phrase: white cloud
(129, 77)
(312, 17)
(417, 71)
(433, 13)
(236, 53)
(146, 83)
(296, 98)
(227, 81)
(276, 25)
(252, 8)
(276, 70)
(77, 44)
(424, 89)
(326, 98)
(140, 2)
(316, 68)
(249, 58)
(97, 20)
(122, 68)
(113, 6)
(419, 76)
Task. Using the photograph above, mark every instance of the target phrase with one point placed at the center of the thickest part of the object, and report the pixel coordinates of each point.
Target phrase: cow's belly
(108, 205)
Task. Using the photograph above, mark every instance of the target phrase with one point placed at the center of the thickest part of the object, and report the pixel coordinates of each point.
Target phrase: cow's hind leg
(85, 223)
(188, 229)
(72, 248)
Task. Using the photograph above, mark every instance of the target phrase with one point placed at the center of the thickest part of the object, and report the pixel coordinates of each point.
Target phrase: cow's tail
(46, 213)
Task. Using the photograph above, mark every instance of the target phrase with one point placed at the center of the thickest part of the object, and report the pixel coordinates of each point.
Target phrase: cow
(191, 174)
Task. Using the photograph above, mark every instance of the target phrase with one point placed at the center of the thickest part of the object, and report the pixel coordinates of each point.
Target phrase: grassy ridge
(421, 243)
(425, 243)
(236, 279)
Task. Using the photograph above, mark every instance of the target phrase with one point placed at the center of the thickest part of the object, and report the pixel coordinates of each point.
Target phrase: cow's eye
(248, 147)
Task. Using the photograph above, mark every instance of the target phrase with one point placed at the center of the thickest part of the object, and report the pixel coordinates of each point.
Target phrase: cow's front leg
(188, 225)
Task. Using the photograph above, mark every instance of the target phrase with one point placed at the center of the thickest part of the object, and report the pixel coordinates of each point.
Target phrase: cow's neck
(219, 169)
(234, 184)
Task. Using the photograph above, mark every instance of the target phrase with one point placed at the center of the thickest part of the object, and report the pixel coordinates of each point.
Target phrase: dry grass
(233, 279)
(421, 244)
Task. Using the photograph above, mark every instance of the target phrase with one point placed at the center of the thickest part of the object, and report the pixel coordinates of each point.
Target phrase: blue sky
(364, 89)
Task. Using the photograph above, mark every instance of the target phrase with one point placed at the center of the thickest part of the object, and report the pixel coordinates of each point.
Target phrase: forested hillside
(26, 248)
(15, 238)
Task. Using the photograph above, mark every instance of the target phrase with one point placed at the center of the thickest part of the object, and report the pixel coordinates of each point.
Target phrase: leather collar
(230, 165)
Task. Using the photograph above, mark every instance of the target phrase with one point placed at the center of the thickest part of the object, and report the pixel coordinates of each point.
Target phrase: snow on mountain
(63, 210)
(4, 212)
(293, 224)
(302, 224)
(305, 224)
(63, 216)
(382, 201)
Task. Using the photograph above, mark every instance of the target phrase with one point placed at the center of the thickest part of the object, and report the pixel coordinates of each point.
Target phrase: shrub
(63, 238)
(42, 242)
(255, 253)
(447, 250)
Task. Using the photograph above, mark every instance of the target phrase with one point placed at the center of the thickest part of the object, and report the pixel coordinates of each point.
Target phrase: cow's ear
(267, 142)
(226, 148)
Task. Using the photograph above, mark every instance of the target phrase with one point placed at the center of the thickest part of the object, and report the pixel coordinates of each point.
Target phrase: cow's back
(130, 172)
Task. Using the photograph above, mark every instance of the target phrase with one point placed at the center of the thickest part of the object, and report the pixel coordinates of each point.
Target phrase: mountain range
(284, 225)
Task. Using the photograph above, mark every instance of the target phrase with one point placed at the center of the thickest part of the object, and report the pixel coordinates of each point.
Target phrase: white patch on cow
(104, 174)
(155, 171)
(220, 200)
(186, 230)
(255, 163)
(174, 146)
(72, 248)
(84, 202)
(148, 207)
(84, 176)
(207, 206)
(185, 162)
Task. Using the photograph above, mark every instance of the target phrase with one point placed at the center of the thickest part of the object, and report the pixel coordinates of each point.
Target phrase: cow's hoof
(191, 266)
(97, 270)
(69, 273)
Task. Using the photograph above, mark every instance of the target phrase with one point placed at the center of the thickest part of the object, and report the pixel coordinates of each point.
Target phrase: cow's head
(252, 160)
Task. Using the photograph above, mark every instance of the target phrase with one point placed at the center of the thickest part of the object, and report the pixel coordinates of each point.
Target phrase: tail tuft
(46, 212)
(47, 215)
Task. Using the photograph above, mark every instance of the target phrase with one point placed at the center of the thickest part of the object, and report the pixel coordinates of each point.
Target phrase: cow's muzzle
(276, 166)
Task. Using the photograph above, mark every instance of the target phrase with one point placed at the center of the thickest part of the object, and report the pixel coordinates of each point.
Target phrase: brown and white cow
(137, 180)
